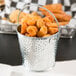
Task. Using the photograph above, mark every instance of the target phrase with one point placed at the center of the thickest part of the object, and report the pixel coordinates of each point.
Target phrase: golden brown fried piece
(54, 25)
(47, 35)
(32, 30)
(46, 20)
(37, 18)
(23, 28)
(52, 30)
(51, 18)
(43, 31)
(63, 23)
(40, 23)
(56, 9)
(52, 7)
(30, 19)
(59, 12)
(13, 16)
(63, 17)
(47, 14)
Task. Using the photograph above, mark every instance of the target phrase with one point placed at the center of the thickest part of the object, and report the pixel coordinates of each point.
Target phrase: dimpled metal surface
(38, 53)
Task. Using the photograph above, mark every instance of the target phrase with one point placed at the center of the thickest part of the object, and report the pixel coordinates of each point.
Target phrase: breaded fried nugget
(23, 28)
(37, 18)
(13, 16)
(43, 31)
(32, 30)
(46, 20)
(47, 35)
(40, 23)
(62, 17)
(30, 19)
(52, 30)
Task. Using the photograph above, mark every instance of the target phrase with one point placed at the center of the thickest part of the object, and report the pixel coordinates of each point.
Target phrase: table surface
(10, 52)
(66, 68)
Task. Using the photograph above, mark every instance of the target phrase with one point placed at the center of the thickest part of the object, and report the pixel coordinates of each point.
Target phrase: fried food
(47, 35)
(59, 12)
(51, 18)
(37, 18)
(63, 23)
(32, 30)
(63, 17)
(43, 31)
(52, 30)
(56, 9)
(23, 28)
(52, 7)
(13, 16)
(60, 17)
(30, 19)
(40, 23)
(54, 25)
(46, 20)
(37, 26)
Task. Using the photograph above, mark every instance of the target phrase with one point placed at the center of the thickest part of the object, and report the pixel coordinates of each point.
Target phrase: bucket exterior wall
(38, 53)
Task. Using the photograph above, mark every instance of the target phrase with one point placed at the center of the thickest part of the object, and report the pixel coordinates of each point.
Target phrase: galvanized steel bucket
(38, 53)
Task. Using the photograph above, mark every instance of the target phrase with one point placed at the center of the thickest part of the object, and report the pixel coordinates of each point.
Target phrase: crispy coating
(59, 12)
(52, 30)
(63, 23)
(47, 14)
(56, 9)
(63, 17)
(32, 30)
(40, 23)
(54, 25)
(43, 31)
(37, 18)
(52, 7)
(13, 16)
(46, 20)
(30, 19)
(51, 18)
(23, 28)
(47, 35)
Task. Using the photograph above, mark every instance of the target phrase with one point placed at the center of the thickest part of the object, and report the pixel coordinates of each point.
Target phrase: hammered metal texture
(38, 53)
